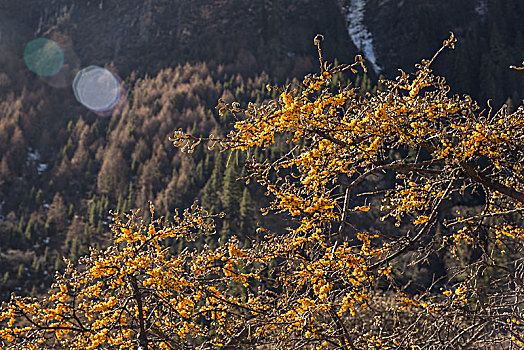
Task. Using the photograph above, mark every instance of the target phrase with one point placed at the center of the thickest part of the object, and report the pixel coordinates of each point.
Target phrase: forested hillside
(394, 222)
(63, 168)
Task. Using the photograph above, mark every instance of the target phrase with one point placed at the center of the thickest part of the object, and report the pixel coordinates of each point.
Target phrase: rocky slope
(152, 34)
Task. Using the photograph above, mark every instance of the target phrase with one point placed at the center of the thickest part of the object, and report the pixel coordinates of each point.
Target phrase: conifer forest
(265, 174)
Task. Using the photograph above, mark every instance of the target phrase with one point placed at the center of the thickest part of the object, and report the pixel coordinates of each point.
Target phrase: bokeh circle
(98, 89)
(44, 57)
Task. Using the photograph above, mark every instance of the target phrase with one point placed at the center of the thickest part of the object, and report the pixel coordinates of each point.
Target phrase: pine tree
(210, 196)
(232, 191)
(248, 213)
(231, 195)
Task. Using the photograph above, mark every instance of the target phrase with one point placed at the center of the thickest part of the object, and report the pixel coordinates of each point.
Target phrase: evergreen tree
(211, 193)
(248, 213)
(231, 196)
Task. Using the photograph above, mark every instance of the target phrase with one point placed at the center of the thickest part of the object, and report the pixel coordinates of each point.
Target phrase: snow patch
(41, 167)
(358, 32)
(33, 157)
(482, 7)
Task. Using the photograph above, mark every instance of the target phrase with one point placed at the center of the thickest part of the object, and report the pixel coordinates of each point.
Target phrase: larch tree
(402, 156)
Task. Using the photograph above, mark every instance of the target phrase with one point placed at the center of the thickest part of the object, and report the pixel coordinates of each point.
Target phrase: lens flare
(44, 57)
(99, 90)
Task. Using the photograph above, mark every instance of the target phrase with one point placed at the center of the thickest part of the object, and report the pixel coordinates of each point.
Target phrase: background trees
(369, 185)
(174, 74)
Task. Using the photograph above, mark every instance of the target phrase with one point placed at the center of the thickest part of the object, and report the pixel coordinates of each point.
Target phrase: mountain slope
(62, 168)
